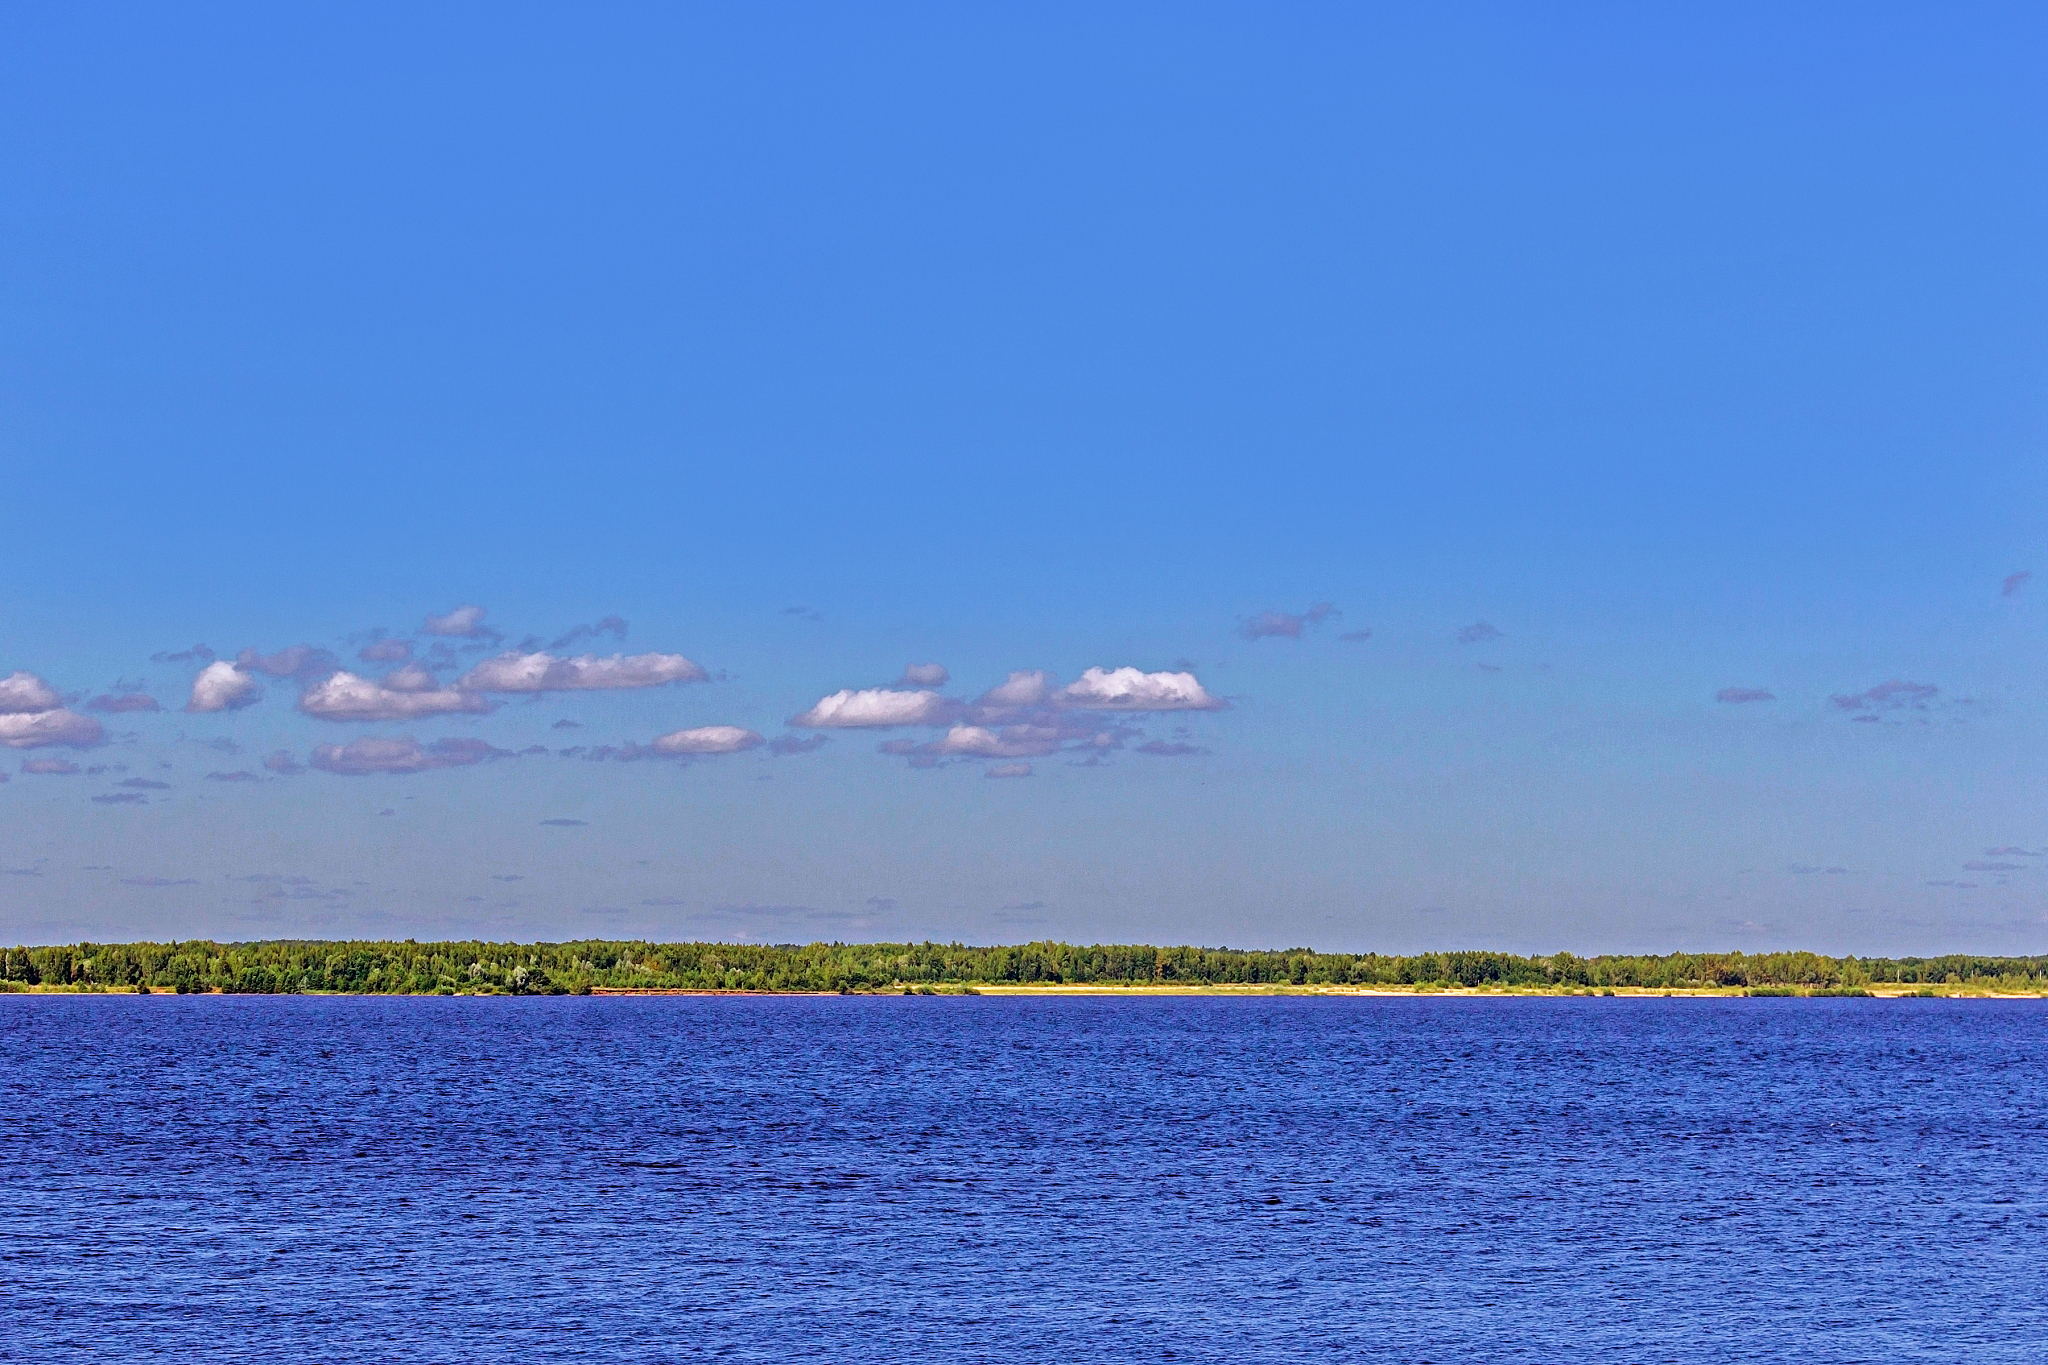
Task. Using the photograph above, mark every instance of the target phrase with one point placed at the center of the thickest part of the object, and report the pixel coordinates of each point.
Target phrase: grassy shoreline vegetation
(297, 966)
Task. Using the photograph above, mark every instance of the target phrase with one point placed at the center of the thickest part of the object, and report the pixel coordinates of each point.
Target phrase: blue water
(966, 1179)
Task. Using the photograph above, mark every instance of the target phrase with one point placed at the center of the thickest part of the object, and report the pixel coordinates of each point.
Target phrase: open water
(990, 1179)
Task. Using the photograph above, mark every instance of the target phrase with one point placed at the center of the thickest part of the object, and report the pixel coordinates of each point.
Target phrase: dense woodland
(291, 966)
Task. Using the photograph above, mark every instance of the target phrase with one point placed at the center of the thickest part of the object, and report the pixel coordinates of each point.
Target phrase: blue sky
(1590, 363)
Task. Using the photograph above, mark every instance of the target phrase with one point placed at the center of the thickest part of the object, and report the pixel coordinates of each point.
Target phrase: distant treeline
(288, 965)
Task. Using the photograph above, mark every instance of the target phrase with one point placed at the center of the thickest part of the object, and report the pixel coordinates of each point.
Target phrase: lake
(1023, 1179)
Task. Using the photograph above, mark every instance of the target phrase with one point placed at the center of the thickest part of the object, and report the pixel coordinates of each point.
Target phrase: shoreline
(1875, 991)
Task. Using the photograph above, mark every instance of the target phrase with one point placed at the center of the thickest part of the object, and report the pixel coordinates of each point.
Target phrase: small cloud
(463, 623)
(2014, 582)
(159, 881)
(508, 876)
(58, 729)
(196, 654)
(145, 784)
(1007, 770)
(1994, 867)
(567, 725)
(784, 745)
(1487, 668)
(49, 767)
(1960, 886)
(706, 739)
(1285, 624)
(881, 902)
(1026, 905)
(1807, 870)
(805, 612)
(300, 662)
(385, 652)
(2011, 853)
(239, 775)
(349, 697)
(1357, 635)
(1128, 689)
(121, 704)
(122, 799)
(614, 626)
(282, 763)
(925, 675)
(1889, 695)
(1479, 632)
(1736, 696)
(542, 672)
(387, 811)
(561, 823)
(363, 757)
(1159, 748)
(876, 708)
(221, 686)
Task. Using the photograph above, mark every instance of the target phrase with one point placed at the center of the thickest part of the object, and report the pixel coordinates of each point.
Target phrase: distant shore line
(1101, 990)
(614, 967)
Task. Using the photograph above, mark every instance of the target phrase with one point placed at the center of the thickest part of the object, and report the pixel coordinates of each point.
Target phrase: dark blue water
(241, 1178)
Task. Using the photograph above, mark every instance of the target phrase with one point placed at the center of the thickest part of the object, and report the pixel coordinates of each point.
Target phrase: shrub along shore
(294, 966)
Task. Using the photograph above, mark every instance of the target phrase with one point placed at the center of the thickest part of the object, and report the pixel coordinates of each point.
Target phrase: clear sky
(1522, 476)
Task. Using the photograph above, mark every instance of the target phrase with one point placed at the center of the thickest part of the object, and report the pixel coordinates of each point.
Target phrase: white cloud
(875, 708)
(221, 686)
(411, 678)
(926, 675)
(465, 622)
(346, 696)
(299, 661)
(50, 729)
(1016, 741)
(515, 672)
(1128, 689)
(1027, 688)
(25, 692)
(362, 757)
(707, 739)
(1007, 770)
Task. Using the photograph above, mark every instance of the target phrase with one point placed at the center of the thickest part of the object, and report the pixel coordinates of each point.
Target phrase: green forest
(409, 968)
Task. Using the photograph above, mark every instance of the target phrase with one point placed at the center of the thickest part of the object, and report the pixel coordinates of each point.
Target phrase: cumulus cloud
(1478, 633)
(346, 696)
(614, 626)
(239, 775)
(50, 729)
(122, 799)
(707, 739)
(196, 654)
(1127, 689)
(1007, 770)
(122, 703)
(411, 678)
(925, 675)
(976, 741)
(2014, 582)
(51, 767)
(221, 686)
(302, 662)
(875, 708)
(1026, 688)
(361, 757)
(1737, 695)
(1285, 624)
(1889, 695)
(385, 651)
(282, 763)
(23, 693)
(542, 672)
(784, 745)
(464, 623)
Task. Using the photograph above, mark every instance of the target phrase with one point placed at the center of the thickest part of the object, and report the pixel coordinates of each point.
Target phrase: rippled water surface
(940, 1179)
